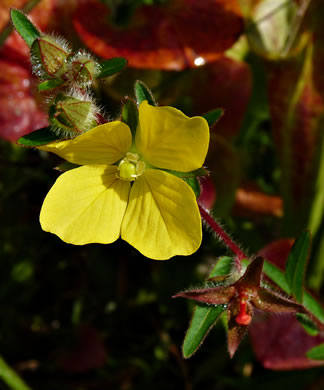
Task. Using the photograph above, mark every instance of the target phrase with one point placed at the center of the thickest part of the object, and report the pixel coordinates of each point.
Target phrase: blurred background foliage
(101, 317)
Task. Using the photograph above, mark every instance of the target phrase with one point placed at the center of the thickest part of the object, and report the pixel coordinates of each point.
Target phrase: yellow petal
(162, 218)
(104, 144)
(86, 205)
(168, 139)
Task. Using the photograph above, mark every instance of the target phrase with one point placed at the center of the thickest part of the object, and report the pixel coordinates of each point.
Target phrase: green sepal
(296, 265)
(111, 67)
(83, 70)
(193, 182)
(24, 26)
(72, 115)
(129, 115)
(39, 137)
(49, 56)
(204, 317)
(307, 324)
(49, 84)
(142, 92)
(213, 116)
(186, 175)
(279, 278)
(66, 166)
(316, 353)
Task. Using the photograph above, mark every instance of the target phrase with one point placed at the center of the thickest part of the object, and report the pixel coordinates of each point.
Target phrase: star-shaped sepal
(240, 298)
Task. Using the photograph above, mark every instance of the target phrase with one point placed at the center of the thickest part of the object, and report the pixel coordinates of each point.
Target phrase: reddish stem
(239, 254)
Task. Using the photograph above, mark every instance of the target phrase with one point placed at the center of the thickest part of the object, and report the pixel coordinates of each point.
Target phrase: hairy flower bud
(72, 114)
(82, 69)
(49, 55)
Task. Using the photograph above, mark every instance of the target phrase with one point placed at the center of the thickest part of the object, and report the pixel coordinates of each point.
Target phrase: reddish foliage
(208, 194)
(297, 105)
(225, 84)
(240, 298)
(251, 202)
(19, 111)
(223, 162)
(277, 251)
(4, 10)
(167, 37)
(279, 342)
(299, 137)
(89, 352)
(40, 15)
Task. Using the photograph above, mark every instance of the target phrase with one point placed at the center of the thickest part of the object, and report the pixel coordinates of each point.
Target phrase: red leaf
(226, 84)
(223, 162)
(40, 15)
(5, 5)
(297, 107)
(277, 251)
(280, 343)
(167, 37)
(19, 113)
(208, 195)
(89, 353)
(251, 202)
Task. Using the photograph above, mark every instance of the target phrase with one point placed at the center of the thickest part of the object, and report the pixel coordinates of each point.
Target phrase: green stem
(11, 378)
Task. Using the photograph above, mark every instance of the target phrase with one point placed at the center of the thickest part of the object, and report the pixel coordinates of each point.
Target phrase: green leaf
(307, 324)
(39, 137)
(194, 184)
(49, 84)
(142, 93)
(186, 175)
(213, 116)
(111, 67)
(296, 265)
(205, 317)
(313, 306)
(130, 115)
(24, 26)
(316, 353)
(276, 275)
(223, 267)
(279, 278)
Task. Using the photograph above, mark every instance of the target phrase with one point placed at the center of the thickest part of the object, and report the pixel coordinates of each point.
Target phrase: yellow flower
(121, 188)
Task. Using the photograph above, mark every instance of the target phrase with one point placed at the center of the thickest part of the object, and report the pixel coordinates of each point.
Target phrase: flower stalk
(225, 238)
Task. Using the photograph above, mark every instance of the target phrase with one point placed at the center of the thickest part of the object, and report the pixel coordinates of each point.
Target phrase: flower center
(130, 167)
(243, 318)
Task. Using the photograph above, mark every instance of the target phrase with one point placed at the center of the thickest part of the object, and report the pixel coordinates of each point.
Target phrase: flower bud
(49, 55)
(83, 69)
(73, 114)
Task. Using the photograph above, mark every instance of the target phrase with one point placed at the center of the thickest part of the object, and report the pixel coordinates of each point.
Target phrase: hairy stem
(225, 238)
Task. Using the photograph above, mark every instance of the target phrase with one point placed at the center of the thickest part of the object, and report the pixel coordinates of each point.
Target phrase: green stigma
(130, 167)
